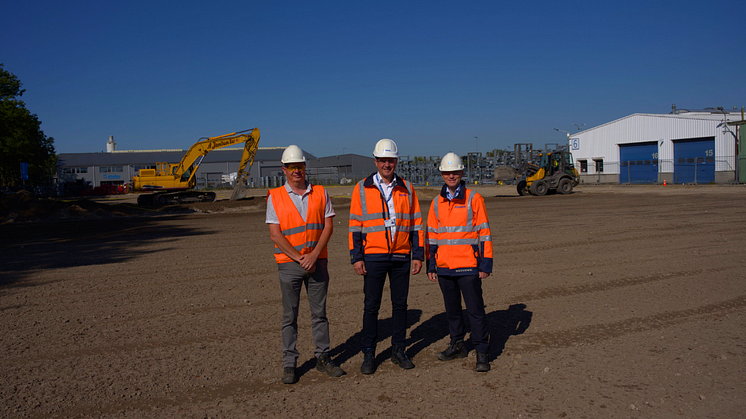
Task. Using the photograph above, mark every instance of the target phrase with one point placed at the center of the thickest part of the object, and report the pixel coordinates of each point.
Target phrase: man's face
(386, 166)
(295, 171)
(452, 179)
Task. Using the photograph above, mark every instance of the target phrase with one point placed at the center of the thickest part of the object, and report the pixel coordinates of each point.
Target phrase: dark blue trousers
(470, 286)
(374, 281)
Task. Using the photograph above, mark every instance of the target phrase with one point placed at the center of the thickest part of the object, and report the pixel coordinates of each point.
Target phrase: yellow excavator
(174, 183)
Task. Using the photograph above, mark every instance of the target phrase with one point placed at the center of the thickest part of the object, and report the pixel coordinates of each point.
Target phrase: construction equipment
(555, 172)
(174, 183)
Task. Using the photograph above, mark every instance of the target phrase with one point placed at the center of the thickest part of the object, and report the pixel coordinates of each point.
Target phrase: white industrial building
(684, 146)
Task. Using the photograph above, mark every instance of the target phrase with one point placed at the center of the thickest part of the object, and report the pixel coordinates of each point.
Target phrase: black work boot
(399, 357)
(483, 363)
(369, 361)
(453, 351)
(325, 364)
(288, 376)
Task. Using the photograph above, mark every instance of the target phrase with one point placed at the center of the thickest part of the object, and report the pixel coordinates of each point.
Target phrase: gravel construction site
(610, 302)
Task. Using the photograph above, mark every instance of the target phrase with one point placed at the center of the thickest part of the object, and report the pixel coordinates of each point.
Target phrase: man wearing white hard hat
(386, 239)
(459, 257)
(300, 219)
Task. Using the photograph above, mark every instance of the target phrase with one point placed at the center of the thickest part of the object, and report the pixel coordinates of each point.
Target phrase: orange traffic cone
(664, 182)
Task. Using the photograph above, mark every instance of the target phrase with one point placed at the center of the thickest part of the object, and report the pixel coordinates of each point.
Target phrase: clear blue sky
(337, 76)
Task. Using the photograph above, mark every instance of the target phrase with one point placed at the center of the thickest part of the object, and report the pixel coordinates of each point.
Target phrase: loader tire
(522, 189)
(539, 188)
(565, 186)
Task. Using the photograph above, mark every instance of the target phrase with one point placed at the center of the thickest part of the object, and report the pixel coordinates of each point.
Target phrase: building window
(583, 166)
(599, 166)
(103, 169)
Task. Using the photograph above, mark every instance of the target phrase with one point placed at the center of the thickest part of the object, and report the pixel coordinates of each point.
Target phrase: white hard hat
(451, 162)
(386, 149)
(293, 154)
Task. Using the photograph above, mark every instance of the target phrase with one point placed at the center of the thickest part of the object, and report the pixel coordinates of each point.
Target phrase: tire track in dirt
(591, 334)
(609, 285)
(527, 343)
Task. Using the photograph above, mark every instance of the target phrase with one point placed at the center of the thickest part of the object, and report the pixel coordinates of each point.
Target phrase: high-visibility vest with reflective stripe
(368, 234)
(302, 235)
(458, 235)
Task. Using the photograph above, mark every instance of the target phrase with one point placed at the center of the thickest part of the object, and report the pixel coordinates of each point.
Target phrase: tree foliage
(21, 137)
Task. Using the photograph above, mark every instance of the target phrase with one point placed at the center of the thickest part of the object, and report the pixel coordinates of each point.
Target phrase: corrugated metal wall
(602, 142)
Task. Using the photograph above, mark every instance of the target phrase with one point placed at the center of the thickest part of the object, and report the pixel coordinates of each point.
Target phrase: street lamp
(568, 136)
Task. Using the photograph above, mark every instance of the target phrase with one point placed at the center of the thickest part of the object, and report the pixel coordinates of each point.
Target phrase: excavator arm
(193, 158)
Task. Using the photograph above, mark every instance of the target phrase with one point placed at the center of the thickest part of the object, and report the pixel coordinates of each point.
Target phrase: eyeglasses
(294, 168)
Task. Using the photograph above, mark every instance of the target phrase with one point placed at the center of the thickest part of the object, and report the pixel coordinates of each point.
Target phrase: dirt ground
(611, 302)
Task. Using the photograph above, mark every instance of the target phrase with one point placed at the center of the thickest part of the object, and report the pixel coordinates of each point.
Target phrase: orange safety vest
(459, 240)
(370, 239)
(302, 235)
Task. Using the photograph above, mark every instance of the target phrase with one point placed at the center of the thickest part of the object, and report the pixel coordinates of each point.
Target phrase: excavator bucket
(239, 191)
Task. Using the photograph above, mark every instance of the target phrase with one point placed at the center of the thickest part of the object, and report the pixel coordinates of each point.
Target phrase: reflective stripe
(355, 229)
(373, 229)
(457, 242)
(485, 238)
(481, 226)
(404, 229)
(432, 241)
(469, 211)
(309, 245)
(454, 229)
(298, 248)
(301, 229)
(367, 217)
(294, 230)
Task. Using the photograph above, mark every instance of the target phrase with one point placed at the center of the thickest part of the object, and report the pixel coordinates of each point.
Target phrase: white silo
(111, 146)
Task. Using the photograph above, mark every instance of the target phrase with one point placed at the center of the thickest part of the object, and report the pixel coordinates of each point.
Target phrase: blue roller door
(694, 160)
(639, 162)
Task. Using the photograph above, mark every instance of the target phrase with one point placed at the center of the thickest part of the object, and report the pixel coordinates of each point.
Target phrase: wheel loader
(555, 173)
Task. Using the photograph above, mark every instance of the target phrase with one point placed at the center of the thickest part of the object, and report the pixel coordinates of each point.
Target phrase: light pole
(476, 154)
(568, 136)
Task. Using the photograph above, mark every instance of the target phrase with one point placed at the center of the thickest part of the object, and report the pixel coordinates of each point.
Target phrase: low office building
(218, 168)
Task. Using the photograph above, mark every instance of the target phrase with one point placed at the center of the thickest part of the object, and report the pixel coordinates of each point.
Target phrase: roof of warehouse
(171, 156)
(691, 115)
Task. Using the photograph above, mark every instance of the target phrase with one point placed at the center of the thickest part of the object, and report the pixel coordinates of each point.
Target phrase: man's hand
(483, 275)
(308, 262)
(416, 266)
(359, 268)
(432, 276)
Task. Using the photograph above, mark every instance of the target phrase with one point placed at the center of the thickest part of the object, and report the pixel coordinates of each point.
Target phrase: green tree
(21, 137)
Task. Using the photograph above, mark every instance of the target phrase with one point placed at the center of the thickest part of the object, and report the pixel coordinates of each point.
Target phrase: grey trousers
(292, 279)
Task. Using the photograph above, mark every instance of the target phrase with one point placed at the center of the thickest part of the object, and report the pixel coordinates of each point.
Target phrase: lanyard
(383, 193)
